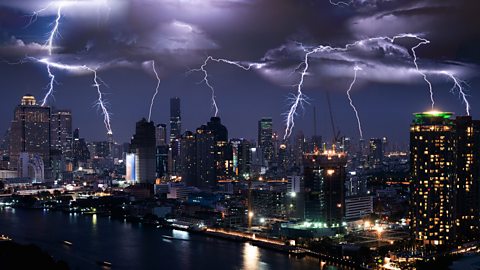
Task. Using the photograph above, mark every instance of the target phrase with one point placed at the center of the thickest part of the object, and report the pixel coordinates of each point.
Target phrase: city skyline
(387, 74)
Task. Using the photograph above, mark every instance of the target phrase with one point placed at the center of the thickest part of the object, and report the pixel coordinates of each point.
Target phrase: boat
(68, 243)
(104, 264)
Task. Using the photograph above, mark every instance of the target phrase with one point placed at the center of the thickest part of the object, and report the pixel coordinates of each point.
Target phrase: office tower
(131, 172)
(188, 158)
(205, 158)
(61, 131)
(241, 157)
(445, 178)
(467, 178)
(81, 153)
(265, 142)
(30, 131)
(175, 119)
(375, 155)
(223, 150)
(324, 180)
(300, 147)
(143, 145)
(161, 134)
(161, 157)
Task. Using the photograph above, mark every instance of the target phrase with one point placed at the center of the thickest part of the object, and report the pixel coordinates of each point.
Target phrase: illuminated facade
(143, 145)
(324, 180)
(444, 171)
(467, 177)
(130, 167)
(175, 119)
(265, 138)
(30, 131)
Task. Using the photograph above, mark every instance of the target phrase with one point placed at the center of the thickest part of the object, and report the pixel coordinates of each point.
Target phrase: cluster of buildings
(302, 180)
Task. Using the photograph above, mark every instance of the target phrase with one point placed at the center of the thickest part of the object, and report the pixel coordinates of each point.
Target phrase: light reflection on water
(251, 257)
(180, 235)
(129, 246)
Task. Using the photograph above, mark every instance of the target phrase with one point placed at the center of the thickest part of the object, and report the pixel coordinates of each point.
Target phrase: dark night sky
(121, 37)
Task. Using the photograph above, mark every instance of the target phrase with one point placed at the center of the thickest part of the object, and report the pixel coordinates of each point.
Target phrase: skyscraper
(161, 134)
(445, 178)
(375, 155)
(61, 131)
(467, 177)
(265, 141)
(188, 158)
(324, 180)
(30, 131)
(175, 119)
(223, 151)
(205, 157)
(143, 145)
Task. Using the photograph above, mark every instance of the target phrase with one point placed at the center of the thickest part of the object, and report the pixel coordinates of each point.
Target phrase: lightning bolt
(356, 69)
(49, 86)
(100, 101)
(54, 31)
(205, 79)
(156, 90)
(457, 83)
(341, 3)
(290, 119)
(49, 43)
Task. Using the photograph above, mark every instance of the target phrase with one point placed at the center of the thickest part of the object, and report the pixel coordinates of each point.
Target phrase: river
(134, 246)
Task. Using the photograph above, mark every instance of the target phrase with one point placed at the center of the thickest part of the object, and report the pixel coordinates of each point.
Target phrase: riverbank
(15, 256)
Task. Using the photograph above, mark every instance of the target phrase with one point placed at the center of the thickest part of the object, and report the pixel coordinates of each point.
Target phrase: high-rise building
(161, 135)
(81, 153)
(241, 157)
(188, 158)
(175, 119)
(467, 178)
(30, 131)
(61, 131)
(265, 139)
(324, 180)
(444, 166)
(205, 157)
(375, 155)
(162, 160)
(130, 176)
(223, 151)
(143, 145)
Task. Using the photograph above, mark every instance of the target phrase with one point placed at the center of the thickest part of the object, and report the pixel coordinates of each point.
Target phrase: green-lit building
(444, 158)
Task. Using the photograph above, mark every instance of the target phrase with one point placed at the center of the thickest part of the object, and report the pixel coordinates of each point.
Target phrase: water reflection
(180, 235)
(251, 257)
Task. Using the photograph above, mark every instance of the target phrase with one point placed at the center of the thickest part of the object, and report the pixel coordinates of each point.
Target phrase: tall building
(467, 177)
(161, 135)
(61, 131)
(223, 151)
(188, 158)
(375, 155)
(241, 157)
(162, 160)
(30, 131)
(175, 119)
(324, 180)
(81, 153)
(205, 158)
(265, 138)
(143, 145)
(445, 178)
